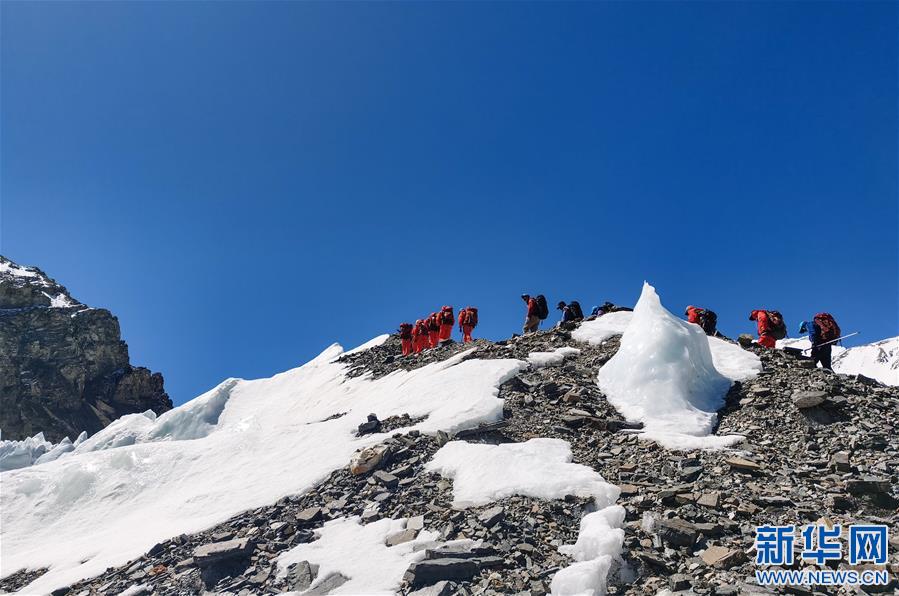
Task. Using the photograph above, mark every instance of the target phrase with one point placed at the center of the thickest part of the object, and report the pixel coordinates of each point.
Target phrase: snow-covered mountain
(878, 360)
(559, 461)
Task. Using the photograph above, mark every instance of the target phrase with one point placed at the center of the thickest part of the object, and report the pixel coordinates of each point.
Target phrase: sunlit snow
(242, 445)
(664, 375)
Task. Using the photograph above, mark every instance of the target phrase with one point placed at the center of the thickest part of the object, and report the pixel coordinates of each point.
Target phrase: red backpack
(469, 316)
(446, 316)
(828, 330)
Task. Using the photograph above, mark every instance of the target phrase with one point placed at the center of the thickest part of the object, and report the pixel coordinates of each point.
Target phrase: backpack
(776, 326)
(433, 323)
(828, 330)
(469, 317)
(405, 330)
(446, 316)
(542, 307)
(708, 320)
(575, 308)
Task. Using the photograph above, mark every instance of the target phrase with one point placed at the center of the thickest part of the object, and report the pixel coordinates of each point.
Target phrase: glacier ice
(664, 375)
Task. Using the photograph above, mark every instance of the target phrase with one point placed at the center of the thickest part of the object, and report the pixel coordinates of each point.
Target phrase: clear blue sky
(245, 183)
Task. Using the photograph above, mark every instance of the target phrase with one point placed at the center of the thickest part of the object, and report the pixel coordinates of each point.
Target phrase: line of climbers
(436, 328)
(823, 331)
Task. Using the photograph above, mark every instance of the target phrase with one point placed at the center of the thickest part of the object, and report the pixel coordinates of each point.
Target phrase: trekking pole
(832, 341)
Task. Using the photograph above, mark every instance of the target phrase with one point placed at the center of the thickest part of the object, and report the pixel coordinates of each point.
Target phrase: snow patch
(13, 269)
(878, 360)
(538, 468)
(59, 301)
(242, 445)
(602, 328)
(664, 375)
(359, 552)
(557, 356)
(599, 540)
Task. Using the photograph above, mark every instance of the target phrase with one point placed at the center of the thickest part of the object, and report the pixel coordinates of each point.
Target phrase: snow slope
(241, 445)
(669, 375)
(878, 360)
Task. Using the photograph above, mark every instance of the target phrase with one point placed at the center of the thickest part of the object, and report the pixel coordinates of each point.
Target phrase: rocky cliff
(63, 365)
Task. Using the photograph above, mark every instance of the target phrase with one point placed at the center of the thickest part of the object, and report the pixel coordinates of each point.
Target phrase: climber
(446, 320)
(433, 324)
(822, 331)
(532, 318)
(420, 336)
(468, 320)
(567, 313)
(703, 317)
(606, 308)
(405, 332)
(771, 326)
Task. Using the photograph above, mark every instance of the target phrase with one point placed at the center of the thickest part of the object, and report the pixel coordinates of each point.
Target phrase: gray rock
(677, 532)
(442, 588)
(386, 479)
(492, 516)
(401, 537)
(679, 581)
(310, 514)
(327, 585)
(301, 576)
(430, 571)
(808, 399)
(209, 554)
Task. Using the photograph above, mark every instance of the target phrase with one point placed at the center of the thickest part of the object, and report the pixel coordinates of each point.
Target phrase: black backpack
(542, 307)
(708, 320)
(575, 308)
(777, 329)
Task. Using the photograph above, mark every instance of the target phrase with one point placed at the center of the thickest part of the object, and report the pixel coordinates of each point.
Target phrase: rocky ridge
(818, 446)
(64, 368)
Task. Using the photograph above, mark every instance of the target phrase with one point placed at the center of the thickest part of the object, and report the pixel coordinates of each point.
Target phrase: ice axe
(832, 341)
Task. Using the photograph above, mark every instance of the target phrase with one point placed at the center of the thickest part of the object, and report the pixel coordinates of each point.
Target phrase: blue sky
(245, 183)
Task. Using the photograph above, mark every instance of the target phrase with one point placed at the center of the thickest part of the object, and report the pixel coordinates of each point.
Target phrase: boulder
(368, 459)
(809, 399)
(210, 554)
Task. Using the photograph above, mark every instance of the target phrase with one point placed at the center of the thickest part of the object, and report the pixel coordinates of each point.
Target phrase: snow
(59, 301)
(557, 356)
(359, 552)
(21, 454)
(377, 341)
(599, 540)
(242, 445)
(878, 360)
(538, 468)
(664, 375)
(602, 328)
(13, 269)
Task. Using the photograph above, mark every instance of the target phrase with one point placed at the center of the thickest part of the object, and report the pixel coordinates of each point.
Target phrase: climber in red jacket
(693, 315)
(446, 319)
(405, 333)
(420, 339)
(468, 320)
(433, 324)
(771, 326)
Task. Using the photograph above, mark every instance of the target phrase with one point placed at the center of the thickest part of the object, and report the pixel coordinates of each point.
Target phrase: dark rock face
(63, 366)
